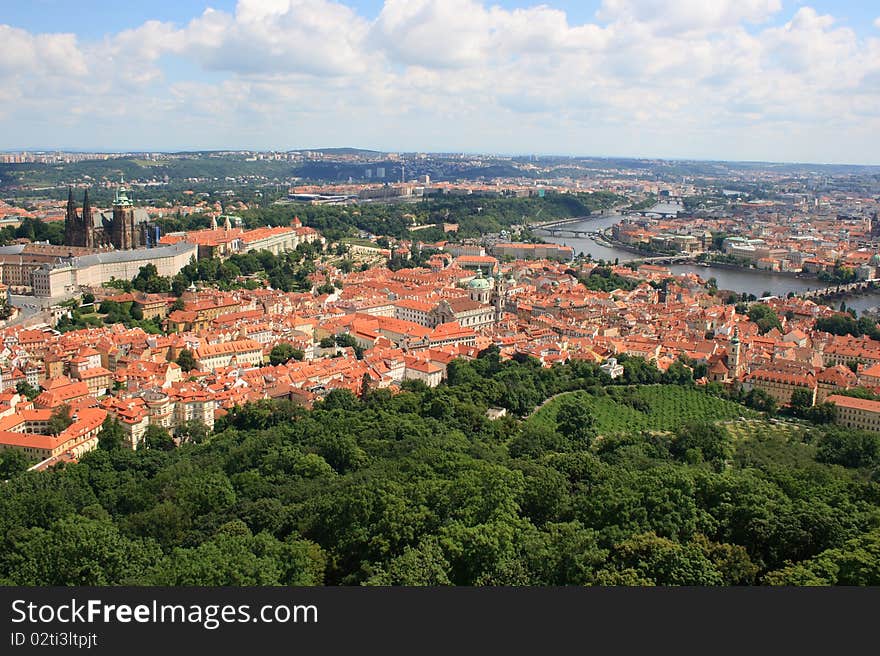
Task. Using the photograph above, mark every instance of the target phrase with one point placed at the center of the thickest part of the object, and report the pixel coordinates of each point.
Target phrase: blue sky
(95, 18)
(780, 80)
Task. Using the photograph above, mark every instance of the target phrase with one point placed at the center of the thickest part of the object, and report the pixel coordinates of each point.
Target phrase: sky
(768, 80)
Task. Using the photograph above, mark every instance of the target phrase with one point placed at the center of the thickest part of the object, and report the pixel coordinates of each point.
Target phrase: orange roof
(264, 233)
(94, 372)
(852, 402)
(224, 348)
(476, 259)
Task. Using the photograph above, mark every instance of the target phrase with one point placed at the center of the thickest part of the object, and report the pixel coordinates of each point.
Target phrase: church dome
(875, 260)
(479, 282)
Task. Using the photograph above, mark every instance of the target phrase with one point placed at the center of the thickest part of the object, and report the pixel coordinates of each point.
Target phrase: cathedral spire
(70, 219)
(88, 226)
(87, 208)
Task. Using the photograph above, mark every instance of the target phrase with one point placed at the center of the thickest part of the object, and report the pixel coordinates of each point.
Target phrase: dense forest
(421, 488)
(475, 215)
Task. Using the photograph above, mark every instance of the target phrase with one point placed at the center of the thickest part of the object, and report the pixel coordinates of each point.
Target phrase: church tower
(123, 235)
(71, 220)
(736, 355)
(79, 230)
(499, 293)
(88, 225)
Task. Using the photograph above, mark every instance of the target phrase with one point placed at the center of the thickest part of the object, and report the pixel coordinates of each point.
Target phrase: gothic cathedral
(98, 230)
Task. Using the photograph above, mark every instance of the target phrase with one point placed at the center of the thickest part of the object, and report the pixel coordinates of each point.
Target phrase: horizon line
(138, 151)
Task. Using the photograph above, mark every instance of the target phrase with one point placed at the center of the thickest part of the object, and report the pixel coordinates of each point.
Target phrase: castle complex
(122, 228)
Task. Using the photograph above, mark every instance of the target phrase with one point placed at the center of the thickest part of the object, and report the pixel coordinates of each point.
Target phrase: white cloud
(674, 16)
(665, 78)
(444, 33)
(315, 37)
(44, 54)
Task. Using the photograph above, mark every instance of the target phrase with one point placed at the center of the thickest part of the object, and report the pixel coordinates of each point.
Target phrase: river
(750, 281)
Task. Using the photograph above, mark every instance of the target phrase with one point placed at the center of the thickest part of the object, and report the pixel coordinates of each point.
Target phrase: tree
(235, 557)
(575, 421)
(59, 420)
(801, 401)
(678, 374)
(700, 442)
(12, 462)
(281, 353)
(186, 360)
(24, 388)
(178, 305)
(148, 280)
(760, 400)
(111, 436)
(157, 437)
(341, 399)
(193, 431)
(850, 448)
(857, 562)
(664, 561)
(421, 566)
(365, 386)
(764, 316)
(79, 550)
(822, 413)
(179, 284)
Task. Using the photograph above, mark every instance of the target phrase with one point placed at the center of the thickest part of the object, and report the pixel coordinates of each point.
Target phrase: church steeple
(736, 347)
(70, 219)
(87, 209)
(88, 226)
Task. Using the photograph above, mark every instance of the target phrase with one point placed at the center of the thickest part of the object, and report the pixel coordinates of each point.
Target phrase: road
(28, 306)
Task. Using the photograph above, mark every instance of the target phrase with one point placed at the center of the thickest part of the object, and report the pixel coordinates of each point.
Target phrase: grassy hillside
(660, 407)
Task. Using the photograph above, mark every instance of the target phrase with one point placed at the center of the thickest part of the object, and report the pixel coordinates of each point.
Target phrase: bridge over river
(835, 290)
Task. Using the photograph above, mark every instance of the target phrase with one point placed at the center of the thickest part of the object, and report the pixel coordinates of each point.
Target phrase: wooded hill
(421, 488)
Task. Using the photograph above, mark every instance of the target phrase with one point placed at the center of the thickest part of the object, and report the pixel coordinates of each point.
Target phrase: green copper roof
(479, 282)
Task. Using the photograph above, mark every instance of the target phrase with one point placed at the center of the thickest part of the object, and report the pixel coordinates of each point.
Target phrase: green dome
(875, 260)
(479, 282)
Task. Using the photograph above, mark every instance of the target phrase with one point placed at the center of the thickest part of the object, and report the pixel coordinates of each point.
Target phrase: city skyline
(760, 80)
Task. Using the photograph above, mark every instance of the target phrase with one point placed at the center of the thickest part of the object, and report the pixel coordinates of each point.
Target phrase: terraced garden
(650, 407)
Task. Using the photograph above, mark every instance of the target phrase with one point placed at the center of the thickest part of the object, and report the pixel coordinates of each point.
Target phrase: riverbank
(738, 267)
(713, 264)
(728, 276)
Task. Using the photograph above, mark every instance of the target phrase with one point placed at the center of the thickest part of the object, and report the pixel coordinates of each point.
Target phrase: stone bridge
(834, 290)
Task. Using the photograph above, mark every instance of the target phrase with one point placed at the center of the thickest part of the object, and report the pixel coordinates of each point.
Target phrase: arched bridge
(833, 290)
